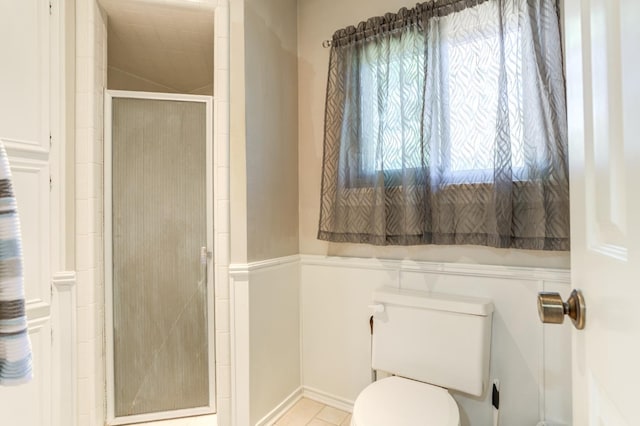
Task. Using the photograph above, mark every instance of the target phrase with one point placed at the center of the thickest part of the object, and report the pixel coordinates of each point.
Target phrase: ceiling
(168, 42)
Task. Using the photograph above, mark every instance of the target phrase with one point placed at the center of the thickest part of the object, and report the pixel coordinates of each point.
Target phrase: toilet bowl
(403, 402)
(430, 343)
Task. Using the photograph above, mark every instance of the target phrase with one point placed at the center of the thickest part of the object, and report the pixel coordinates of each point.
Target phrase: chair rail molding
(465, 269)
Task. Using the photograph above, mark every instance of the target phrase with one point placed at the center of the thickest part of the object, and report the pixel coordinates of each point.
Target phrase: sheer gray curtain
(446, 124)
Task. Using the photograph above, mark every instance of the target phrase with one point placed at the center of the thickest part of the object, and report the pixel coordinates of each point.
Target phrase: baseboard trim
(328, 399)
(281, 409)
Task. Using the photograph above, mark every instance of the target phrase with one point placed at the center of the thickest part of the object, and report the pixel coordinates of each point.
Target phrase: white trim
(272, 263)
(108, 232)
(489, 271)
(300, 324)
(40, 297)
(210, 265)
(240, 363)
(350, 262)
(208, 419)
(239, 269)
(64, 349)
(159, 96)
(64, 281)
(36, 324)
(224, 334)
(328, 399)
(161, 416)
(541, 365)
(108, 250)
(238, 272)
(24, 148)
(57, 134)
(281, 409)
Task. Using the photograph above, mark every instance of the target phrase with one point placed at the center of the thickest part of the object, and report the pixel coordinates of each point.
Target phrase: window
(473, 136)
(446, 124)
(391, 94)
(470, 85)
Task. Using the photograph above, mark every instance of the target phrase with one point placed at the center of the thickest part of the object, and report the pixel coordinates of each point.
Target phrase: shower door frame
(109, 95)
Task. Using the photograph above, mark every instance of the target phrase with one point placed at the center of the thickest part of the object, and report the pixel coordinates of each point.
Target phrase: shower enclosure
(158, 242)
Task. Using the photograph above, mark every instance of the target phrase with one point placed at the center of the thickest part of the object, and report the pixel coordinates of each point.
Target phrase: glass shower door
(161, 304)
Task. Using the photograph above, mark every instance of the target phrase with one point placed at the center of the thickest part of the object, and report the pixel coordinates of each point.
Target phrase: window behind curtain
(391, 77)
(469, 153)
(446, 124)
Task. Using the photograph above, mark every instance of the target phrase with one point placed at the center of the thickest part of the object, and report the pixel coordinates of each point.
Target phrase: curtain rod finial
(326, 44)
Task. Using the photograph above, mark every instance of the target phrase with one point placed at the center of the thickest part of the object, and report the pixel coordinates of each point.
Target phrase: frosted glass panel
(159, 286)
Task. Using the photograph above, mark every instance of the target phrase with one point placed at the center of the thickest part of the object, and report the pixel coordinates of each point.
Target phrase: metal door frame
(108, 261)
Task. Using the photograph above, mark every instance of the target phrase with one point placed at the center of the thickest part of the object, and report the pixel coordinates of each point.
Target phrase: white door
(26, 47)
(603, 93)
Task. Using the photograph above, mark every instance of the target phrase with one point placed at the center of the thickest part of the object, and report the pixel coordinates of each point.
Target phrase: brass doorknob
(552, 309)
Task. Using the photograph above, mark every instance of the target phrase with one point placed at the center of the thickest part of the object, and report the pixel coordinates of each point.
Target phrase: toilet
(430, 343)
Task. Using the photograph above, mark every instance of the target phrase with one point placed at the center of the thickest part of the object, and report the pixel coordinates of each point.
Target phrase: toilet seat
(403, 402)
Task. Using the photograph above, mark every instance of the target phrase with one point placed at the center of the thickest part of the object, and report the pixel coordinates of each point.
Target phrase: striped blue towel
(15, 347)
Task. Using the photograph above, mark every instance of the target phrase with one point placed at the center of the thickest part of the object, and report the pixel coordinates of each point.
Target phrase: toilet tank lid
(436, 301)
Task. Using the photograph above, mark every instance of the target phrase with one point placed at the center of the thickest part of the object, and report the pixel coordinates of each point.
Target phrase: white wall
(91, 75)
(264, 208)
(532, 362)
(122, 80)
(221, 212)
(274, 337)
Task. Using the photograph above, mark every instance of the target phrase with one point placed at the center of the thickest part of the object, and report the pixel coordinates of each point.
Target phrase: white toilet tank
(439, 339)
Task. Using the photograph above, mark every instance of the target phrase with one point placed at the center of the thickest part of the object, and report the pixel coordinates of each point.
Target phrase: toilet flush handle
(376, 309)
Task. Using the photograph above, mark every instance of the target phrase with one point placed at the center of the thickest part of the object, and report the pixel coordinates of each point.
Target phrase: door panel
(158, 202)
(24, 108)
(25, 32)
(31, 185)
(159, 226)
(603, 94)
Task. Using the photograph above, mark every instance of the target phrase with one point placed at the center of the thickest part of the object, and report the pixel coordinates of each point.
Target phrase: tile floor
(305, 412)
(311, 413)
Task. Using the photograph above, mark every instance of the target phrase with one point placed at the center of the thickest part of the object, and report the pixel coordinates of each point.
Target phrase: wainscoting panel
(531, 362)
(266, 339)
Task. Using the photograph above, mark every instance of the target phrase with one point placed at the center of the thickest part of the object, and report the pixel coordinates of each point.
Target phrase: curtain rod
(326, 44)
